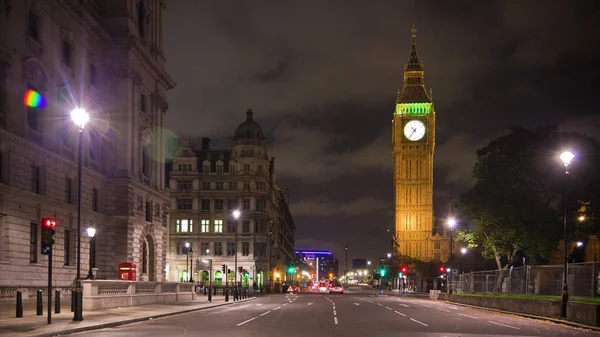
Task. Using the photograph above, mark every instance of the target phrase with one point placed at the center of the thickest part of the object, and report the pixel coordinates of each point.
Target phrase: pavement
(361, 313)
(32, 325)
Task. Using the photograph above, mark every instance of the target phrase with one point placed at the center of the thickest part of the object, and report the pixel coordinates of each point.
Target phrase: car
(323, 287)
(336, 288)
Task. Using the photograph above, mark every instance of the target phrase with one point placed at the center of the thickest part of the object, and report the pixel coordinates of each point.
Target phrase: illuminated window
(184, 226)
(218, 226)
(204, 224)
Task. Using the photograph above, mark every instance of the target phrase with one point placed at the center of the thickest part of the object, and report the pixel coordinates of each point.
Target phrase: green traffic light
(382, 272)
(291, 269)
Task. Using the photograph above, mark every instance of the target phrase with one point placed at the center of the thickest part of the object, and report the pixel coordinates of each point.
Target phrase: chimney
(205, 143)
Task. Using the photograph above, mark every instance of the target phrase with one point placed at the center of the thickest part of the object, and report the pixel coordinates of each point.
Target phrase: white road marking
(414, 320)
(404, 305)
(369, 301)
(440, 309)
(508, 326)
(334, 307)
(356, 303)
(259, 304)
(334, 313)
(335, 320)
(277, 308)
(244, 322)
(399, 313)
(388, 308)
(264, 313)
(285, 304)
(379, 304)
(310, 303)
(473, 317)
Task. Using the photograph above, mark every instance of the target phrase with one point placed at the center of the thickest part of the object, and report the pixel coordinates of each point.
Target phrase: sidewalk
(32, 325)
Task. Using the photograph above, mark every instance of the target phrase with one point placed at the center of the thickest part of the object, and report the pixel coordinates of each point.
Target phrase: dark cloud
(322, 77)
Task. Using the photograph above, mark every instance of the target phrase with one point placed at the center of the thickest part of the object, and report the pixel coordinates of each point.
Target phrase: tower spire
(413, 89)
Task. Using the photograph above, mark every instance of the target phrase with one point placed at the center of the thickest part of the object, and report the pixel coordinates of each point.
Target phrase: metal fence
(582, 279)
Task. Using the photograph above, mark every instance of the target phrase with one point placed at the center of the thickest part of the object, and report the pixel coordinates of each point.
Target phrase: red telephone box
(127, 271)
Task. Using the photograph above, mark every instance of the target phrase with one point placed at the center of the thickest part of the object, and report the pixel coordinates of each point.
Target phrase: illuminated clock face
(414, 130)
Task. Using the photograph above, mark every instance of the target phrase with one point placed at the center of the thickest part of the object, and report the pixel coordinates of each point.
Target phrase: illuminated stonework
(413, 167)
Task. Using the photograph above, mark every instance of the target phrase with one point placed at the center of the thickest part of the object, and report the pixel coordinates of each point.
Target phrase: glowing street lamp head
(80, 117)
(187, 245)
(579, 244)
(451, 222)
(567, 157)
(91, 231)
(236, 214)
(463, 250)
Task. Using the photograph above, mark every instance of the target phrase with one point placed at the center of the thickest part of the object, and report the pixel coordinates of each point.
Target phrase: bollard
(72, 301)
(57, 301)
(209, 295)
(19, 304)
(40, 310)
(226, 291)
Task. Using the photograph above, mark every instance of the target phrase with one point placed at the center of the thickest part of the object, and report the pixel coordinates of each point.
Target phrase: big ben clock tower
(413, 135)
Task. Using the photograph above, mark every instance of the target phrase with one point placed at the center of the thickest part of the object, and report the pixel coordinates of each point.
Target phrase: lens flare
(34, 99)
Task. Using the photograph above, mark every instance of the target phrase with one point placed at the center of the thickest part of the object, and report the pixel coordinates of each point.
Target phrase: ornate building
(106, 57)
(413, 147)
(207, 185)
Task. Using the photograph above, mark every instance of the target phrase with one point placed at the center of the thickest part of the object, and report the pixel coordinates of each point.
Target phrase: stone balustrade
(108, 294)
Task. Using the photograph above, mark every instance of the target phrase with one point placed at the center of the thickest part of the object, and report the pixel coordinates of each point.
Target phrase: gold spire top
(414, 32)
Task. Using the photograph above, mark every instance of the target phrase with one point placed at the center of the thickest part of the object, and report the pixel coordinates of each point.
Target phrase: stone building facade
(106, 57)
(207, 184)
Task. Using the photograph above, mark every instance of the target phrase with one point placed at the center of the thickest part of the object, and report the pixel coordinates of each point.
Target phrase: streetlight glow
(187, 245)
(463, 250)
(236, 214)
(567, 157)
(80, 117)
(91, 231)
(579, 244)
(451, 222)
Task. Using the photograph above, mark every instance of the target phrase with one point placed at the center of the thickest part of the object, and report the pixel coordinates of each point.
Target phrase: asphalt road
(348, 315)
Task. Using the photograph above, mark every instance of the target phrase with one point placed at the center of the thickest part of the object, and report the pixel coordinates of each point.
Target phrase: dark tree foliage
(516, 203)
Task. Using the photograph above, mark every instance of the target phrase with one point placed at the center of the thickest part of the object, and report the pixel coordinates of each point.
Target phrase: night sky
(321, 77)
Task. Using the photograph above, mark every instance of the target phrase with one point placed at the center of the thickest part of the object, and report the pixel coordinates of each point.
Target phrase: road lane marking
(334, 313)
(414, 320)
(244, 322)
(369, 301)
(356, 303)
(508, 326)
(334, 307)
(473, 317)
(310, 303)
(335, 320)
(285, 304)
(404, 305)
(440, 309)
(399, 313)
(379, 304)
(277, 308)
(259, 304)
(388, 308)
(264, 313)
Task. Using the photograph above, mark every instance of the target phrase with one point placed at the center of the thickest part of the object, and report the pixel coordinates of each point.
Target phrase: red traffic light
(48, 222)
(404, 269)
(442, 269)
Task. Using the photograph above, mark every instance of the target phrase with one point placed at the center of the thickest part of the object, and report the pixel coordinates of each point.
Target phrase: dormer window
(231, 168)
(246, 167)
(219, 167)
(206, 167)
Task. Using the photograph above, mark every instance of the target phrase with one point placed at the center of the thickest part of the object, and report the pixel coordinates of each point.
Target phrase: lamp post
(451, 223)
(191, 253)
(187, 257)
(346, 273)
(566, 157)
(236, 216)
(80, 117)
(91, 232)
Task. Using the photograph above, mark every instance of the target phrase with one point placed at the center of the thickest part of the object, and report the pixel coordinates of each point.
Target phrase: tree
(516, 201)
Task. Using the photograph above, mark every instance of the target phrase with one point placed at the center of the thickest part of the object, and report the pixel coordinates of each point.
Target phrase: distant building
(359, 264)
(207, 184)
(321, 261)
(107, 58)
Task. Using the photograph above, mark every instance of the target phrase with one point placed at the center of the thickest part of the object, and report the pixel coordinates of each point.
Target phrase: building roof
(249, 129)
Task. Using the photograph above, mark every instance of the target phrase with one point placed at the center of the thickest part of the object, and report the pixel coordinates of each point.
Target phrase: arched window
(145, 258)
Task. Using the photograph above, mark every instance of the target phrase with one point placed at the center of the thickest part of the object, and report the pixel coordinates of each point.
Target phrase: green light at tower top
(414, 109)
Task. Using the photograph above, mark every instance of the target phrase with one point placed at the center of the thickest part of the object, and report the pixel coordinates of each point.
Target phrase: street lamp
(451, 224)
(91, 232)
(236, 216)
(463, 250)
(346, 249)
(79, 117)
(566, 157)
(187, 257)
(191, 252)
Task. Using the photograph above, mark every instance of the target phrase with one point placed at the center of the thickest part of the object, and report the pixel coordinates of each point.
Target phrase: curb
(554, 320)
(133, 320)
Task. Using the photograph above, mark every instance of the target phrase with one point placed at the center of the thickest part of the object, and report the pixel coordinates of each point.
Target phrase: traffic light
(442, 269)
(291, 269)
(223, 268)
(382, 272)
(404, 270)
(48, 231)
